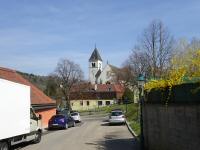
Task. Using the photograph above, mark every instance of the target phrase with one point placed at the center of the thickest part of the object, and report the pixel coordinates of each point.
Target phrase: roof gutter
(43, 106)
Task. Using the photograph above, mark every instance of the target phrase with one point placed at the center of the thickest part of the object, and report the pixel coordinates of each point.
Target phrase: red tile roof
(37, 96)
(98, 91)
(119, 88)
(110, 87)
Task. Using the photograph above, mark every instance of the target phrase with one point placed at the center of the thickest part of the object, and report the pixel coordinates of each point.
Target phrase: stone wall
(172, 127)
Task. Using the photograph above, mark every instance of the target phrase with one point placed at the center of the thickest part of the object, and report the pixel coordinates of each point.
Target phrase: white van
(19, 123)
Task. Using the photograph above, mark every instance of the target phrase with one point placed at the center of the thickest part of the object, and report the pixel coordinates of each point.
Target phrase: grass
(132, 116)
(135, 126)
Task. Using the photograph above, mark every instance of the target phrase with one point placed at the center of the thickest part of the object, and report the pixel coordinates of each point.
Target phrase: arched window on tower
(93, 64)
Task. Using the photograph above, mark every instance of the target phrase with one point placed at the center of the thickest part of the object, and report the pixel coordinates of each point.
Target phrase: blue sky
(35, 34)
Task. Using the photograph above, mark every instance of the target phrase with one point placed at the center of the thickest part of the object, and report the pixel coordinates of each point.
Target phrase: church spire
(95, 55)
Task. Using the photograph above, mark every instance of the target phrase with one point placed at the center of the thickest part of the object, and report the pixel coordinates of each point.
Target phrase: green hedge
(187, 93)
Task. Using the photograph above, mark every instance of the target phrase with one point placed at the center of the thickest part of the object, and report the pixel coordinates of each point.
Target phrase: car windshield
(74, 114)
(116, 113)
(57, 116)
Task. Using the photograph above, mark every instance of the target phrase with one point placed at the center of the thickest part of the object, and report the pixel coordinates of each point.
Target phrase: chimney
(95, 87)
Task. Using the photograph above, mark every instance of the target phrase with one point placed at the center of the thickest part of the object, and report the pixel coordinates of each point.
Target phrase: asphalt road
(93, 134)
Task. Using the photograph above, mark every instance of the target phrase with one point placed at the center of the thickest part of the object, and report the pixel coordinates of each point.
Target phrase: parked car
(61, 121)
(117, 117)
(76, 116)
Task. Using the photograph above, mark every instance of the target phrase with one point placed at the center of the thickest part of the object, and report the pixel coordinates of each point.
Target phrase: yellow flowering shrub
(187, 64)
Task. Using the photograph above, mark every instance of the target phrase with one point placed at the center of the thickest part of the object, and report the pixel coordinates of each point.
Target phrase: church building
(99, 74)
(102, 90)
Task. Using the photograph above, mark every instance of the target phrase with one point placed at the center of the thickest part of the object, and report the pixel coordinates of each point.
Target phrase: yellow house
(90, 104)
(101, 95)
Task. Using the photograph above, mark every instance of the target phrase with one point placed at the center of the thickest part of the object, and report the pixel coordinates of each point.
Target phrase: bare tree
(68, 74)
(139, 63)
(136, 64)
(127, 75)
(154, 50)
(194, 44)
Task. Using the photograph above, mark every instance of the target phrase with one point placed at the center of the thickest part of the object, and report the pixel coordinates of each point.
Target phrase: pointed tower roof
(95, 55)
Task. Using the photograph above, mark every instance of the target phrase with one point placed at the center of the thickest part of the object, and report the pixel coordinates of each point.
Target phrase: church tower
(95, 66)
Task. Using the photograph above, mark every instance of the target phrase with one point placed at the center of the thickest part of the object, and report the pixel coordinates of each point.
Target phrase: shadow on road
(108, 124)
(20, 146)
(119, 144)
(105, 120)
(116, 144)
(105, 124)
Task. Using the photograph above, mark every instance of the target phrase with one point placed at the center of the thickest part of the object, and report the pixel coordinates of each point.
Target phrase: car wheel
(4, 146)
(66, 126)
(74, 124)
(38, 137)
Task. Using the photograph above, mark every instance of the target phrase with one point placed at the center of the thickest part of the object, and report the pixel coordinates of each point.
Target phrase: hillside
(37, 80)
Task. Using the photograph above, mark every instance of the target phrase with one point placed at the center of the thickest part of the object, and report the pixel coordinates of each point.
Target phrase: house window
(93, 64)
(81, 103)
(108, 82)
(109, 89)
(100, 103)
(88, 103)
(107, 102)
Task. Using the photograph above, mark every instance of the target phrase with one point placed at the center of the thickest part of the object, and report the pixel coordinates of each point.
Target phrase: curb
(131, 130)
(44, 131)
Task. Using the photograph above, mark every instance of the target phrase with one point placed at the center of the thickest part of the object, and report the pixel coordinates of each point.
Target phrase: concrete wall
(176, 127)
(93, 104)
(172, 127)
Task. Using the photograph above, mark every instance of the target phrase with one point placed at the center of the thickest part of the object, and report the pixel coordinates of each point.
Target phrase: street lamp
(141, 82)
(61, 86)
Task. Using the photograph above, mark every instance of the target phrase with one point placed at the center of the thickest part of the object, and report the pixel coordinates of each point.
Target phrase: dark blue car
(61, 121)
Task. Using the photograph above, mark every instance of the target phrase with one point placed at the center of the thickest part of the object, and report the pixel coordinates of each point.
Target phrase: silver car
(76, 116)
(117, 117)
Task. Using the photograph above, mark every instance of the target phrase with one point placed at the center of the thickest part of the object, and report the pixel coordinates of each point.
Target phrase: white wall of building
(106, 75)
(94, 69)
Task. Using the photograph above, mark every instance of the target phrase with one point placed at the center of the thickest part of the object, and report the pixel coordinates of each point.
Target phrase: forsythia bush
(187, 64)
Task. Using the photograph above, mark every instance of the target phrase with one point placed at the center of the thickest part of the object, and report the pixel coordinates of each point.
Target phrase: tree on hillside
(37, 80)
(68, 74)
(128, 95)
(52, 87)
(151, 56)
